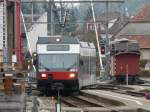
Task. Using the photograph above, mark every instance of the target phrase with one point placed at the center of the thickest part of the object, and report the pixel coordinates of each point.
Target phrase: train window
(57, 61)
(57, 47)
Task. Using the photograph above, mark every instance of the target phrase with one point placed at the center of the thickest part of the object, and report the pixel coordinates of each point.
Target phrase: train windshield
(58, 61)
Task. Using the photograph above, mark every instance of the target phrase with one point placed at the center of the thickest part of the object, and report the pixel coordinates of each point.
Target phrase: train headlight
(43, 75)
(58, 40)
(35, 54)
(72, 75)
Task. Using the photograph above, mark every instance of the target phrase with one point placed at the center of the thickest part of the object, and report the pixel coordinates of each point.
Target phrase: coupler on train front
(48, 86)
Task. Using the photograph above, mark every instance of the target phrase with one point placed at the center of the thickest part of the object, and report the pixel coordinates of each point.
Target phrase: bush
(144, 73)
(143, 63)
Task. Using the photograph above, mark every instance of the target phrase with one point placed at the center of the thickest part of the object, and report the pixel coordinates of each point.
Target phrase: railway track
(79, 101)
(87, 100)
(131, 93)
(119, 89)
(84, 102)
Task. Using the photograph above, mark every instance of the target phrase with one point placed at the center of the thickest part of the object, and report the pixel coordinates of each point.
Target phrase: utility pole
(107, 47)
(52, 17)
(107, 50)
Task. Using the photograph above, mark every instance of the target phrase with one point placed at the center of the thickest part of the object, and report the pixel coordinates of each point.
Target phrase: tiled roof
(144, 41)
(144, 14)
(111, 16)
(120, 21)
(138, 29)
(135, 28)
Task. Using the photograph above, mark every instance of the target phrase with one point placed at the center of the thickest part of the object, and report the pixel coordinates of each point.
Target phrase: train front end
(57, 63)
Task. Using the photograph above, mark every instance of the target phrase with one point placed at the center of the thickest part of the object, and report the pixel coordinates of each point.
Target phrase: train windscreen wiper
(48, 69)
(70, 67)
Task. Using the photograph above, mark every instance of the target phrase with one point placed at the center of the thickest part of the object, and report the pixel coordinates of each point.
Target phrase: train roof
(87, 45)
(57, 40)
(123, 40)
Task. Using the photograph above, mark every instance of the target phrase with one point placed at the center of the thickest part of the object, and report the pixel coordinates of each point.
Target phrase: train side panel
(127, 64)
(87, 64)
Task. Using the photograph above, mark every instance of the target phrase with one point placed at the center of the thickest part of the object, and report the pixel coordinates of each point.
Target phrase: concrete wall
(145, 54)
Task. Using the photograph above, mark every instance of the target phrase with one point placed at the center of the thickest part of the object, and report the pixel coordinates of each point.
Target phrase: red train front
(59, 62)
(125, 59)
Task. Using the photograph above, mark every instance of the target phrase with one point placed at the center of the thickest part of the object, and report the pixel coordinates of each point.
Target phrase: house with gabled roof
(116, 21)
(139, 29)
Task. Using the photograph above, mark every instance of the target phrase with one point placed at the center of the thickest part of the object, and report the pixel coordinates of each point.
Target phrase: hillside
(132, 7)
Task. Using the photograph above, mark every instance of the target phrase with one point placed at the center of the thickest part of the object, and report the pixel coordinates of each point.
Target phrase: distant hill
(132, 7)
(135, 5)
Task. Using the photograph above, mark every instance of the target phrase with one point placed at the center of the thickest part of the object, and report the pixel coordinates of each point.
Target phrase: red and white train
(64, 60)
(125, 60)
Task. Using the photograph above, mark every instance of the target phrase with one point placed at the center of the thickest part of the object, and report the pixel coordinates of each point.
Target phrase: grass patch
(142, 110)
(144, 73)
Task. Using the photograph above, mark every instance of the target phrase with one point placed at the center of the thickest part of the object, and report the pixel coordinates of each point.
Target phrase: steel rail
(107, 106)
(77, 101)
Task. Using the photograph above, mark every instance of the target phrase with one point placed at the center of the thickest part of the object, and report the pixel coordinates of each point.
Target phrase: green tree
(89, 37)
(88, 14)
(71, 22)
(26, 8)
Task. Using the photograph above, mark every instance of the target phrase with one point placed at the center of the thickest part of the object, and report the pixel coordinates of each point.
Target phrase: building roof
(111, 16)
(52, 40)
(144, 14)
(135, 28)
(116, 22)
(138, 28)
(139, 25)
(144, 41)
(136, 31)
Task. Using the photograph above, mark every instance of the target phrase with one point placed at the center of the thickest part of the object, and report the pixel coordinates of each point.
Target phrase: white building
(37, 29)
